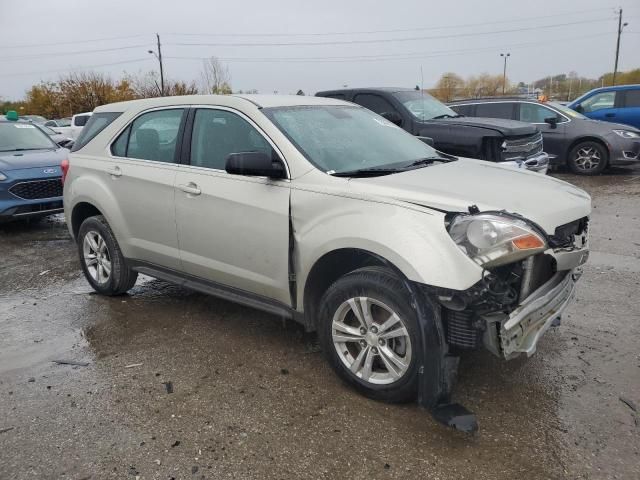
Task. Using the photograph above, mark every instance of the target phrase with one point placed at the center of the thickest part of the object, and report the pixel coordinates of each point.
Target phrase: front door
(553, 136)
(232, 229)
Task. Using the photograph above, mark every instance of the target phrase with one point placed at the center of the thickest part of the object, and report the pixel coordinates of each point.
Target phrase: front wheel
(369, 333)
(588, 158)
(102, 262)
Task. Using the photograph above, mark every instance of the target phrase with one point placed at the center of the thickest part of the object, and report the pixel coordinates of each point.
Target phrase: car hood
(31, 159)
(506, 127)
(455, 186)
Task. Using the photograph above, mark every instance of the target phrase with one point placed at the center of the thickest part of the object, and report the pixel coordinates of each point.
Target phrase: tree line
(451, 86)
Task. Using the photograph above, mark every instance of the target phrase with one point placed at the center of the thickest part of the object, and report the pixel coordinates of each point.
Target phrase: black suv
(420, 114)
(586, 146)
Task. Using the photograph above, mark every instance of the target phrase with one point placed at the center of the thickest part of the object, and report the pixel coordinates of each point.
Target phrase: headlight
(2, 177)
(491, 240)
(627, 133)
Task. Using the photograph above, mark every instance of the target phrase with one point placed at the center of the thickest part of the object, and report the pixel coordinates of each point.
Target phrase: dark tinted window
(217, 133)
(94, 126)
(466, 110)
(495, 110)
(81, 120)
(375, 103)
(632, 98)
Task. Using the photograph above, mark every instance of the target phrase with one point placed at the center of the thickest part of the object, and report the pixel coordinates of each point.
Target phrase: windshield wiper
(445, 115)
(426, 161)
(25, 149)
(366, 172)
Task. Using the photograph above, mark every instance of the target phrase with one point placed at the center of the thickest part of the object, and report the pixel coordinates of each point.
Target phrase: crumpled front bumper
(538, 163)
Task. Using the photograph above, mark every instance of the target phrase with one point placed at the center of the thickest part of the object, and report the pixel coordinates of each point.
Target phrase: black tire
(121, 278)
(384, 286)
(580, 167)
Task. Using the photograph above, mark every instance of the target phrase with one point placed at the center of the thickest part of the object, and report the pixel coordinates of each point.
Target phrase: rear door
(233, 230)
(554, 139)
(505, 110)
(142, 172)
(629, 113)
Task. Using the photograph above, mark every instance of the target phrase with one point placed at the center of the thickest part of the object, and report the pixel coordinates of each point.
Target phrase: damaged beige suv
(318, 210)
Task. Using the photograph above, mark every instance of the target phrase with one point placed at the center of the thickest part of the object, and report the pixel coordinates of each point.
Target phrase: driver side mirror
(578, 108)
(254, 164)
(393, 117)
(552, 121)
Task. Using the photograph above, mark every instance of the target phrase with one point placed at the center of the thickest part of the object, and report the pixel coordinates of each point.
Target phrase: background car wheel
(588, 158)
(369, 334)
(102, 262)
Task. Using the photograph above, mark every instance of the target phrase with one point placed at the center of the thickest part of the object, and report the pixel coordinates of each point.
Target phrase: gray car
(586, 146)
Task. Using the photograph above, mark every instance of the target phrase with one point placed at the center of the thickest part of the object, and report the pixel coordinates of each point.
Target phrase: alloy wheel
(587, 158)
(96, 257)
(371, 340)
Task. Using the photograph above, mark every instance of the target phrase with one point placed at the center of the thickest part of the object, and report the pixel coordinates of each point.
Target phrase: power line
(394, 56)
(78, 52)
(73, 42)
(396, 30)
(387, 40)
(69, 69)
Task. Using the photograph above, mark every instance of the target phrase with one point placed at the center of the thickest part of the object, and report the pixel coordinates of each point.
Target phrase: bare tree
(147, 85)
(215, 77)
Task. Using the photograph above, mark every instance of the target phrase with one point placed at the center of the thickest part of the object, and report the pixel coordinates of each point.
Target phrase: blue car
(619, 104)
(30, 171)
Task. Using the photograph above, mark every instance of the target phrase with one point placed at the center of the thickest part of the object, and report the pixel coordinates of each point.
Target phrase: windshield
(64, 122)
(347, 138)
(423, 106)
(567, 111)
(23, 136)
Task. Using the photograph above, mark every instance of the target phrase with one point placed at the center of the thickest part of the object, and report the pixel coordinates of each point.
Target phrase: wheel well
(326, 271)
(588, 139)
(80, 213)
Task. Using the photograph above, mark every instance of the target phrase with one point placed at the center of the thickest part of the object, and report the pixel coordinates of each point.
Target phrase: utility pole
(159, 57)
(504, 72)
(620, 27)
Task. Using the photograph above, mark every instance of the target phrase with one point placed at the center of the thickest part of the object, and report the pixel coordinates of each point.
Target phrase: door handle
(609, 115)
(190, 188)
(114, 172)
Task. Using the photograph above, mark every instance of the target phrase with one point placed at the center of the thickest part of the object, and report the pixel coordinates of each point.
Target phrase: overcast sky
(376, 43)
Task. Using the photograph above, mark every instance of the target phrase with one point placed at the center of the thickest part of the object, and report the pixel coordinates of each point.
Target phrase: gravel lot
(252, 398)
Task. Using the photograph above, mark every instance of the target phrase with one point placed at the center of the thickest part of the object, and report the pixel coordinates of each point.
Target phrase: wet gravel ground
(181, 385)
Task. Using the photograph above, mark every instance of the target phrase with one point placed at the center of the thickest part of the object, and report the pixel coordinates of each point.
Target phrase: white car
(321, 211)
(70, 128)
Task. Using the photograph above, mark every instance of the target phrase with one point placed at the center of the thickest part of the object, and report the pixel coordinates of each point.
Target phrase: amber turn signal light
(528, 242)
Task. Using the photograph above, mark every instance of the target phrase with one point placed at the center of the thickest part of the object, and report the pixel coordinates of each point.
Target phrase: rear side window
(151, 136)
(632, 98)
(81, 120)
(495, 110)
(466, 110)
(94, 126)
(375, 103)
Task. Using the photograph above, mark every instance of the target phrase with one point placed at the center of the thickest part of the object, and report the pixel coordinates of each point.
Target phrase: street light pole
(159, 57)
(620, 27)
(504, 71)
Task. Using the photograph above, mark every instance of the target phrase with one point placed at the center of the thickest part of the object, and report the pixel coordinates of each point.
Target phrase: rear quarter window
(97, 122)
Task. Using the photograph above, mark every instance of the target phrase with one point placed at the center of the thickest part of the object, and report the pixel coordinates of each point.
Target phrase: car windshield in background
(567, 111)
(47, 130)
(23, 136)
(64, 122)
(343, 138)
(423, 106)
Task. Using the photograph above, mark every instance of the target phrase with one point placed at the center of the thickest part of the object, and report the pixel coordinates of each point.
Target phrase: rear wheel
(369, 334)
(102, 262)
(588, 158)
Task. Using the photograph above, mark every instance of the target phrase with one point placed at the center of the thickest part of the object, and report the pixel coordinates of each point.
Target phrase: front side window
(534, 113)
(345, 138)
(495, 110)
(599, 101)
(16, 136)
(375, 103)
(151, 136)
(218, 133)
